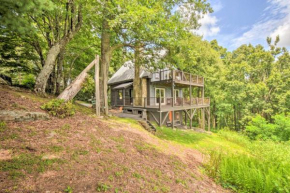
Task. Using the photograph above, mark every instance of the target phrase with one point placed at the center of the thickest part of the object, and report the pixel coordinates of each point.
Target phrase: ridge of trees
(46, 43)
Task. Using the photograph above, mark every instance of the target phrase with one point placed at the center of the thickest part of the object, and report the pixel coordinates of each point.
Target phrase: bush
(29, 81)
(263, 167)
(88, 90)
(59, 108)
(260, 129)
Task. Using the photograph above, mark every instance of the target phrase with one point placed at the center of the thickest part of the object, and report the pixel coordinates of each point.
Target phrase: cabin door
(160, 95)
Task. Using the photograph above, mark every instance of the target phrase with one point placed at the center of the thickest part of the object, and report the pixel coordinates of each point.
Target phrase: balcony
(166, 103)
(177, 76)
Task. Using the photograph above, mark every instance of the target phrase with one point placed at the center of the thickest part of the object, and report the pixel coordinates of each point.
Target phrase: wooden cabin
(169, 97)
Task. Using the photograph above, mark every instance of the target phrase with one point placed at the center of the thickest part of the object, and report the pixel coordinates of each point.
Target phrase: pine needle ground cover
(238, 163)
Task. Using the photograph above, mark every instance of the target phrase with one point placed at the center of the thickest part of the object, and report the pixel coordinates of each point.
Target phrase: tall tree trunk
(59, 77)
(137, 80)
(104, 68)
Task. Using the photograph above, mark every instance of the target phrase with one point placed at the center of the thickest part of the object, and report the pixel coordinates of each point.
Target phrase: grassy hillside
(238, 163)
(83, 153)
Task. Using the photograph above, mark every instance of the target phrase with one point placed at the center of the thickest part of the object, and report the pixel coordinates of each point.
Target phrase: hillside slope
(88, 154)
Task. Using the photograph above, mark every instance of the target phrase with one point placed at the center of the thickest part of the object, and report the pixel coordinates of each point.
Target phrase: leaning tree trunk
(54, 51)
(105, 62)
(43, 76)
(137, 80)
(72, 90)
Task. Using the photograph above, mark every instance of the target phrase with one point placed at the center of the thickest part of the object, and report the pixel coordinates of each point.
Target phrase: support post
(123, 97)
(203, 118)
(159, 103)
(160, 118)
(190, 118)
(190, 91)
(172, 119)
(185, 118)
(172, 90)
(208, 121)
(97, 85)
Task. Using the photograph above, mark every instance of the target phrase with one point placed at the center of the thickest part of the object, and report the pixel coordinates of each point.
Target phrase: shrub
(59, 108)
(263, 168)
(260, 129)
(29, 81)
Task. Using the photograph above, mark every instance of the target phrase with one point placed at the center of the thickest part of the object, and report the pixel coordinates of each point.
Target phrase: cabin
(169, 96)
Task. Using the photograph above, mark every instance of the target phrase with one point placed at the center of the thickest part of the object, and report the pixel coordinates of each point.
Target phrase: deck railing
(156, 102)
(178, 76)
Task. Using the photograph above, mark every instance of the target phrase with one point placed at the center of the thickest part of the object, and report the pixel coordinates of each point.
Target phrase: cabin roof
(125, 85)
(126, 73)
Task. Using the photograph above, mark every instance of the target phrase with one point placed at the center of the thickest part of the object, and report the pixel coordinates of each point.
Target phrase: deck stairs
(148, 126)
(141, 116)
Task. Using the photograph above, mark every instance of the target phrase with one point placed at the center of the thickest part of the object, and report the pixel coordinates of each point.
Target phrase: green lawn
(238, 163)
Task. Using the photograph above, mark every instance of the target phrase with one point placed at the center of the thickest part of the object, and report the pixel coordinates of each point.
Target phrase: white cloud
(208, 26)
(275, 21)
(209, 23)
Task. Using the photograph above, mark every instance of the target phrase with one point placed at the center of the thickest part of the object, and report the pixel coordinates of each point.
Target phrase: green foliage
(69, 190)
(102, 187)
(263, 168)
(259, 128)
(239, 163)
(59, 108)
(88, 90)
(29, 81)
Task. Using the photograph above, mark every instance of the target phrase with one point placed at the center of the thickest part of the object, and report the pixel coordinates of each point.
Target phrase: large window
(160, 95)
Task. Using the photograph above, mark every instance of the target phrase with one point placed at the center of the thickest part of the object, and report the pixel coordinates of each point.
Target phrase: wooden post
(172, 90)
(185, 118)
(190, 91)
(159, 103)
(172, 119)
(97, 85)
(160, 118)
(123, 97)
(208, 121)
(190, 118)
(203, 118)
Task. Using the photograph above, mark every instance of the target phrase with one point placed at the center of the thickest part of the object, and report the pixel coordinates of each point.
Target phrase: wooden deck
(166, 108)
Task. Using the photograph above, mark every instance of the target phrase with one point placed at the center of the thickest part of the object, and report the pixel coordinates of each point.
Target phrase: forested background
(45, 44)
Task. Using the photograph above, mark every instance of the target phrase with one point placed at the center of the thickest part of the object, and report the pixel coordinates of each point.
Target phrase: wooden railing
(177, 76)
(160, 103)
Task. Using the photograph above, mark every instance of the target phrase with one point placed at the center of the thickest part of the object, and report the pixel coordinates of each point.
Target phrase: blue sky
(237, 22)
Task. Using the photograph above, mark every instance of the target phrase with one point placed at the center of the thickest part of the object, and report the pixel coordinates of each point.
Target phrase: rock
(6, 115)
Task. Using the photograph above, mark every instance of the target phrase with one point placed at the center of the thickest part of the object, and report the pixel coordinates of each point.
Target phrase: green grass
(27, 163)
(238, 163)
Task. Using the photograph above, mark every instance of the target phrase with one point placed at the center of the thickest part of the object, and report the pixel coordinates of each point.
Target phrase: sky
(237, 22)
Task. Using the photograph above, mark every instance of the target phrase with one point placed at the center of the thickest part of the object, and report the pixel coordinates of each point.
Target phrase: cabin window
(120, 94)
(157, 75)
(160, 95)
(176, 94)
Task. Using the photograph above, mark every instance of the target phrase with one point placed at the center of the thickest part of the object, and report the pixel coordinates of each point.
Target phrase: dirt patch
(5, 154)
(87, 154)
